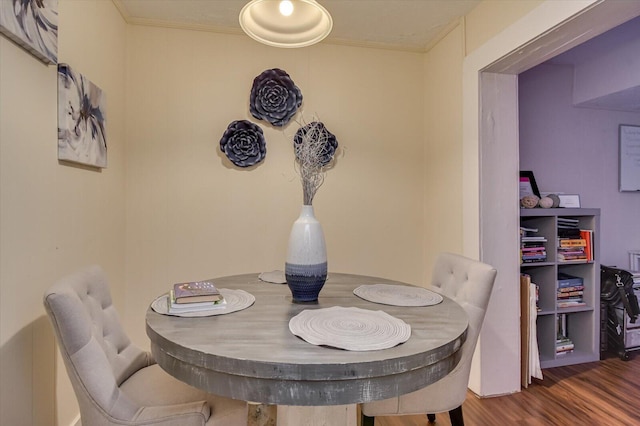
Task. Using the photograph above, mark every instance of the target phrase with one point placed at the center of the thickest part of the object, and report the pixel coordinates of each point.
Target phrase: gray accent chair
(115, 382)
(469, 283)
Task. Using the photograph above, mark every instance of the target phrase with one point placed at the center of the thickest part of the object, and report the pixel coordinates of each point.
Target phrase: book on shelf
(571, 304)
(569, 294)
(535, 248)
(196, 291)
(570, 288)
(568, 233)
(564, 347)
(566, 280)
(572, 242)
(178, 308)
(571, 257)
(587, 235)
(571, 299)
(568, 221)
(572, 252)
(533, 239)
(534, 256)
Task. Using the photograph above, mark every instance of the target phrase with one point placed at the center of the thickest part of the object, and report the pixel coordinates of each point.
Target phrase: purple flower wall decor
(325, 141)
(274, 97)
(315, 149)
(243, 143)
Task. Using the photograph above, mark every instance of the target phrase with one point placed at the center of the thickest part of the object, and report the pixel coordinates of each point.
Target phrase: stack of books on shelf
(195, 296)
(571, 249)
(532, 247)
(564, 345)
(574, 244)
(570, 291)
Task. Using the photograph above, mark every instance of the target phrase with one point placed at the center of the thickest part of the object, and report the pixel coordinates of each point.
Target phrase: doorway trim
(491, 162)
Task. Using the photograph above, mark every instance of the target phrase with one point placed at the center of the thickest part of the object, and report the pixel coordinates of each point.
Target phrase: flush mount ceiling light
(286, 23)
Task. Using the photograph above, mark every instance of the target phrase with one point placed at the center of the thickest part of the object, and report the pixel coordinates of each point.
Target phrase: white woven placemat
(353, 329)
(398, 295)
(237, 300)
(275, 277)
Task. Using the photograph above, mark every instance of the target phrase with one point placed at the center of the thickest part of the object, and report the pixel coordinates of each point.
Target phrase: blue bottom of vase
(305, 281)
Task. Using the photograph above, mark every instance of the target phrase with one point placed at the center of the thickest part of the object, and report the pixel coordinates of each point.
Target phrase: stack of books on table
(532, 247)
(564, 344)
(570, 291)
(195, 296)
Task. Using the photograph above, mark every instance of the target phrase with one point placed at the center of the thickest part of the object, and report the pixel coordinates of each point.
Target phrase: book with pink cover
(196, 291)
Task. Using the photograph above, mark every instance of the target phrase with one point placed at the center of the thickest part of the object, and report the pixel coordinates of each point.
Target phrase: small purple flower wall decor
(243, 143)
(274, 97)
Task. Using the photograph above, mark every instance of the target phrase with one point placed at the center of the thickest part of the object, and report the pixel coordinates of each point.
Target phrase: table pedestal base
(261, 414)
(338, 415)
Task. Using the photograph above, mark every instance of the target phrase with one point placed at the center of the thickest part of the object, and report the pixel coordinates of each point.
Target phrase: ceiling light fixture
(286, 23)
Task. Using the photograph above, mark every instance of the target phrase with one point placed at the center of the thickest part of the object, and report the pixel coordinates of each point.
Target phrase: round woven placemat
(398, 295)
(236, 300)
(353, 329)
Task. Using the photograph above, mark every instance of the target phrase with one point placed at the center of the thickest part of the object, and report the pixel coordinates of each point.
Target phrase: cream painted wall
(443, 121)
(491, 17)
(192, 215)
(443, 148)
(54, 218)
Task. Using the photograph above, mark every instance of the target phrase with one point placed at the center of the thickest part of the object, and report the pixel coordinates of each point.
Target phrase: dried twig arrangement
(314, 148)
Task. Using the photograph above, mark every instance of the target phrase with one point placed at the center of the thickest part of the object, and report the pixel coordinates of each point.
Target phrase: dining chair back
(115, 382)
(469, 283)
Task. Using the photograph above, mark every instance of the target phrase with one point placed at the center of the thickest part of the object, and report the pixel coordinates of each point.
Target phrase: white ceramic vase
(306, 264)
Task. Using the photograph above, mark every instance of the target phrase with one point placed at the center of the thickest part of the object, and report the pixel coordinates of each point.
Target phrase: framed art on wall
(629, 161)
(32, 24)
(81, 119)
(528, 184)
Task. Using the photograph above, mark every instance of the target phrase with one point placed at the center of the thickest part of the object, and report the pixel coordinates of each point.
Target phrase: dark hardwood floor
(600, 393)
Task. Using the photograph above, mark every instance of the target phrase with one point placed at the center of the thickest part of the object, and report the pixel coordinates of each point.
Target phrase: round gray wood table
(251, 355)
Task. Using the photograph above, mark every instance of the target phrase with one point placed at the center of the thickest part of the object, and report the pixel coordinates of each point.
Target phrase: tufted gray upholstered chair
(469, 283)
(115, 382)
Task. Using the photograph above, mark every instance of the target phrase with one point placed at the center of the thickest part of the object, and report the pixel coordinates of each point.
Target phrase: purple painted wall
(575, 151)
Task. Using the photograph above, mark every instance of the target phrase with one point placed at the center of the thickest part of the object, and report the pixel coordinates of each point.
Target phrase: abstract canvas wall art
(81, 119)
(33, 24)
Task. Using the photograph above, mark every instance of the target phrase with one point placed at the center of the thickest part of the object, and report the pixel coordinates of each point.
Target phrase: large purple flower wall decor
(316, 133)
(243, 143)
(274, 97)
